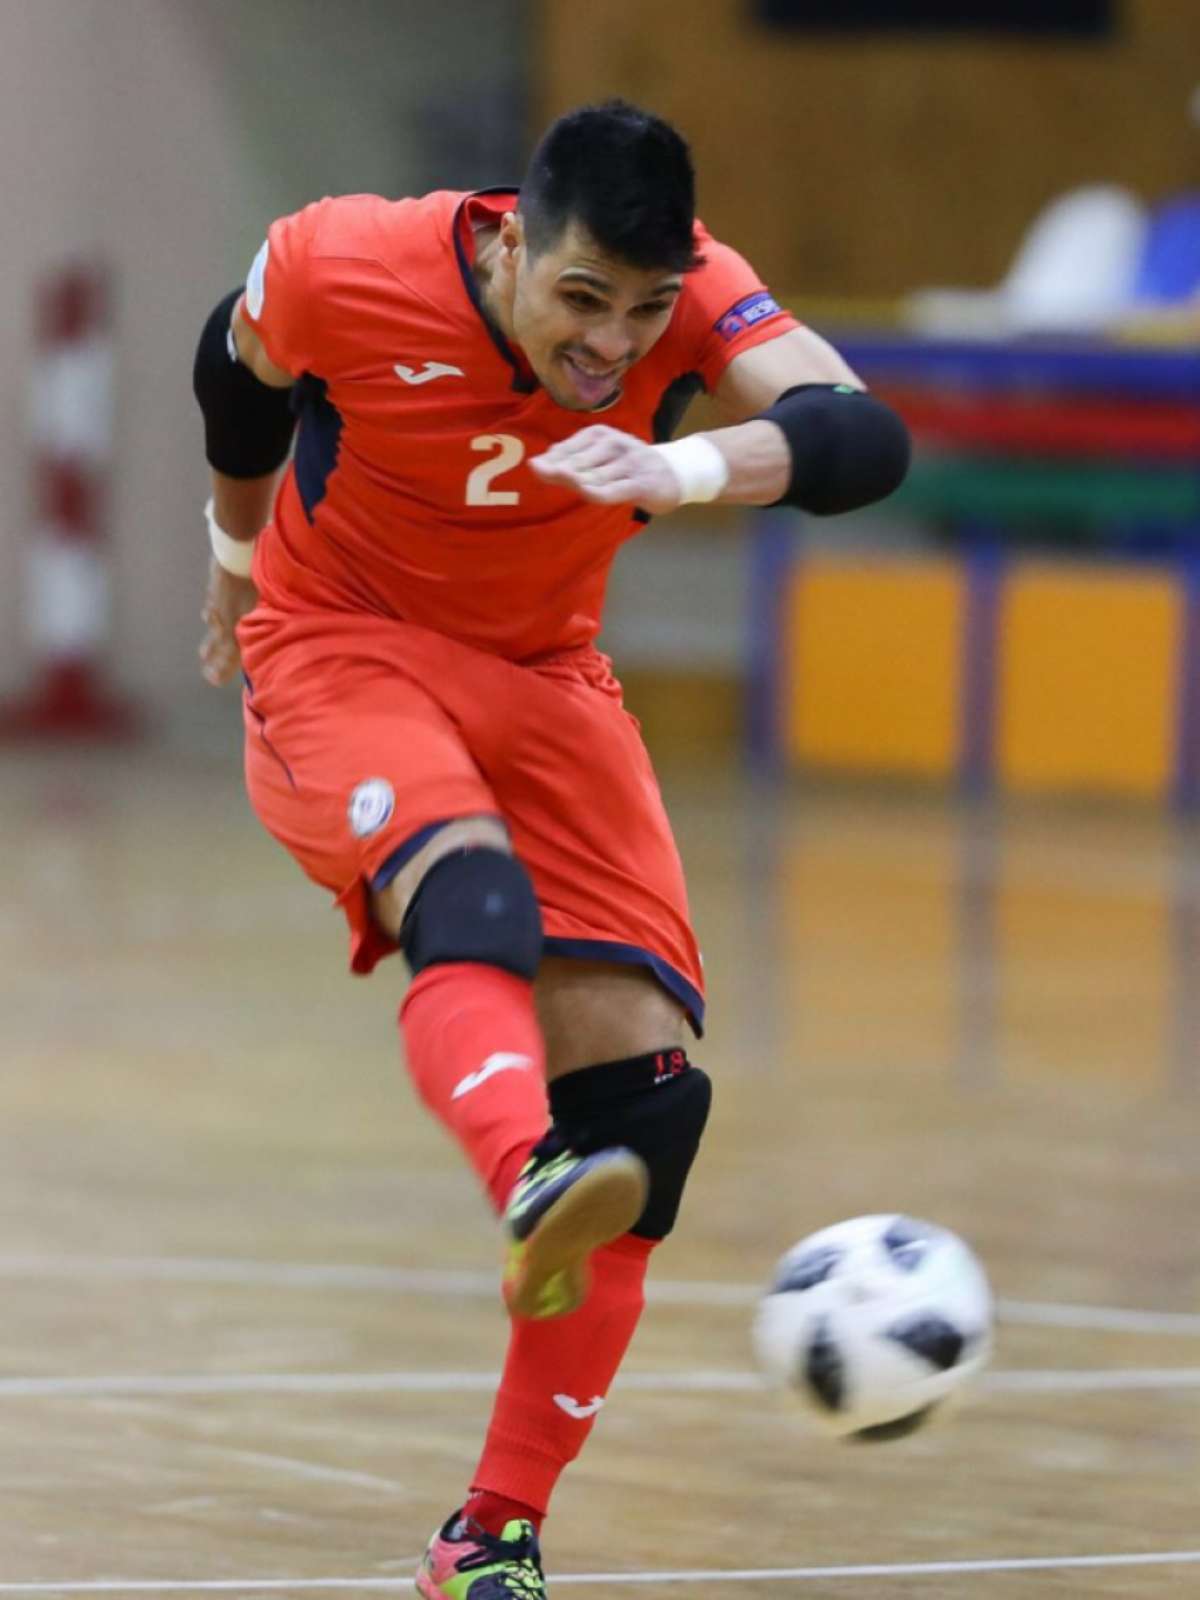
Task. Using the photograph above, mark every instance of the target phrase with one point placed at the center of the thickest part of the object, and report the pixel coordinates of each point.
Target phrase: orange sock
(556, 1378)
(476, 1056)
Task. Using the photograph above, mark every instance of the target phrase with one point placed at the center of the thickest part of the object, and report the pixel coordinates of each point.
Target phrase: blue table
(1074, 365)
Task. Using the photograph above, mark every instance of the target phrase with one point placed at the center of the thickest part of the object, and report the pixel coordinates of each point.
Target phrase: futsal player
(482, 390)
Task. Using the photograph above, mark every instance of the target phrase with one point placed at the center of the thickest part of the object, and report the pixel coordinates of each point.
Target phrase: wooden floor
(249, 1315)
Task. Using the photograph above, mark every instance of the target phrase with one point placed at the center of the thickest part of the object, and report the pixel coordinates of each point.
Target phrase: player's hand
(227, 601)
(610, 468)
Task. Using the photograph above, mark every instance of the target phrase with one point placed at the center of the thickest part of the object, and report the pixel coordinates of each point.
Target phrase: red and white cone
(67, 605)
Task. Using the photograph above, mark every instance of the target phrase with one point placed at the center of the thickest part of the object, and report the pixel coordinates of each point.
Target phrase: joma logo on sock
(577, 1408)
(500, 1061)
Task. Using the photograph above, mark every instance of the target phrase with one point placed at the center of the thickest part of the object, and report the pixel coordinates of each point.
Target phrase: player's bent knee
(656, 1105)
(474, 905)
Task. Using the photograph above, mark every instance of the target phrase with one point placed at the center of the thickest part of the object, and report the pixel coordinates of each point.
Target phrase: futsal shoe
(560, 1210)
(463, 1562)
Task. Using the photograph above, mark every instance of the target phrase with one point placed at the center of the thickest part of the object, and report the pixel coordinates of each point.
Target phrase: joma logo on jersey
(427, 372)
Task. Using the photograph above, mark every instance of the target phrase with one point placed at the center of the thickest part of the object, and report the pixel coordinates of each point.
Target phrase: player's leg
(347, 764)
(590, 1012)
(640, 1092)
(610, 884)
(463, 910)
(557, 1372)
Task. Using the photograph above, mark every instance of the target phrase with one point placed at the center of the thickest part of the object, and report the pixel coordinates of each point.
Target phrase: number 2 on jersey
(509, 453)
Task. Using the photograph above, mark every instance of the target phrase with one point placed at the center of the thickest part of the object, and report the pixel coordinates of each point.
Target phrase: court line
(1049, 1381)
(1103, 1319)
(467, 1284)
(1111, 1379)
(898, 1569)
(312, 1470)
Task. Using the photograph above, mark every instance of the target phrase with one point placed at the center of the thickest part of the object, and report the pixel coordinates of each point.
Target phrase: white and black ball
(873, 1324)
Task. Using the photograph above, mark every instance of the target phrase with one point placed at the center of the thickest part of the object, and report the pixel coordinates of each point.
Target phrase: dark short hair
(622, 173)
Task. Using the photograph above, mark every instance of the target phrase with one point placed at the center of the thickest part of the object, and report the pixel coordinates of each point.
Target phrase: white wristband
(699, 467)
(235, 555)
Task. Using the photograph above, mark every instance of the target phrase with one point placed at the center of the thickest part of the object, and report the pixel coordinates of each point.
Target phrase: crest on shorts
(371, 805)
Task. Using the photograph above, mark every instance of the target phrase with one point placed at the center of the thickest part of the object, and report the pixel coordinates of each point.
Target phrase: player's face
(583, 318)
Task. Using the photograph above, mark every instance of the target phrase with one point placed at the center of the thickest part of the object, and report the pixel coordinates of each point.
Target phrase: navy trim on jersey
(317, 440)
(524, 381)
(261, 720)
(632, 955)
(676, 398)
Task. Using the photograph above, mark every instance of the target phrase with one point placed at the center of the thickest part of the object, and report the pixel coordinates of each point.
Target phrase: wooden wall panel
(873, 165)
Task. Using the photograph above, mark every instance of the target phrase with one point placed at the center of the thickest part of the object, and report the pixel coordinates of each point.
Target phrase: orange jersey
(409, 495)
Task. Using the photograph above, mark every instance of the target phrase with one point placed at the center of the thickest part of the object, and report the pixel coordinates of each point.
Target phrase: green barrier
(984, 489)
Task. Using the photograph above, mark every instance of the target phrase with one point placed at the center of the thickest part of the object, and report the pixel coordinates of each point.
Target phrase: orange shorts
(363, 735)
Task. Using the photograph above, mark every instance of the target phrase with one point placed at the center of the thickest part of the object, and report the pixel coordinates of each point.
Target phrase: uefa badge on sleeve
(370, 806)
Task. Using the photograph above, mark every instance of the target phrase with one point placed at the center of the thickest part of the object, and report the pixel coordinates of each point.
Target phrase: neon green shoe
(562, 1208)
(462, 1562)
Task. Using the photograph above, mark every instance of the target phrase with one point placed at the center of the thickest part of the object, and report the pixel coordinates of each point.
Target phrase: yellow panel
(873, 652)
(1087, 680)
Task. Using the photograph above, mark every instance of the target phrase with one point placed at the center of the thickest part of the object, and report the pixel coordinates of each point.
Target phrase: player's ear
(512, 235)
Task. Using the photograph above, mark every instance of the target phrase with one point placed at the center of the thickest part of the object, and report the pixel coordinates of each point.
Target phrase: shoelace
(526, 1579)
(520, 1574)
(492, 1548)
(501, 1585)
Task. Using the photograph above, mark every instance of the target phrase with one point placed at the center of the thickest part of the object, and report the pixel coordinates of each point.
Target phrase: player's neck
(495, 308)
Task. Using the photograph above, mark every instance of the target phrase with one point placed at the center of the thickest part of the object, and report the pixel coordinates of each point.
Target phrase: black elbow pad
(848, 449)
(248, 425)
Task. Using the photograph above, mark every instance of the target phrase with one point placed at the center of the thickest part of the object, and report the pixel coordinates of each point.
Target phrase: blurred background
(934, 770)
(1009, 172)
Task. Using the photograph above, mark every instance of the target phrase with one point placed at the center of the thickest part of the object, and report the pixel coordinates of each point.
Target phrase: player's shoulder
(344, 271)
(724, 295)
(372, 226)
(720, 265)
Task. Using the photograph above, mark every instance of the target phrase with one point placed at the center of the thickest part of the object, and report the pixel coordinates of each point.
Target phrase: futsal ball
(874, 1323)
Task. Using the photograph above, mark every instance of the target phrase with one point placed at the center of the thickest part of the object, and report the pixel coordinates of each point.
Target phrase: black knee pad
(474, 905)
(656, 1105)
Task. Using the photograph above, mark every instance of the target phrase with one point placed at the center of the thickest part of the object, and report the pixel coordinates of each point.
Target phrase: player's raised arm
(248, 425)
(804, 433)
